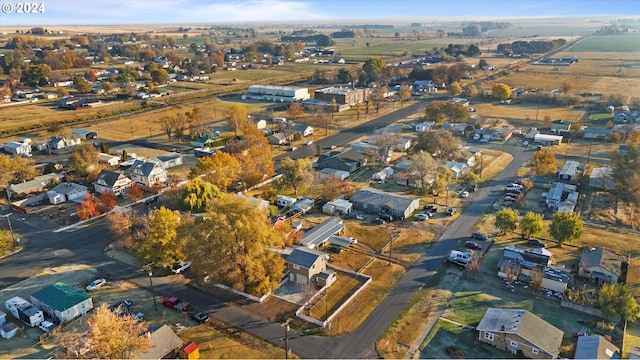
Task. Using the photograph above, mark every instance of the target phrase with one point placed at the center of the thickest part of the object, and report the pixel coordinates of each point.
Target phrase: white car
(96, 284)
(180, 267)
(476, 137)
(464, 194)
(525, 143)
(421, 217)
(308, 143)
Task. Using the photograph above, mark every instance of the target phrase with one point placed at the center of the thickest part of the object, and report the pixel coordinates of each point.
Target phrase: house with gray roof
(560, 126)
(601, 265)
(33, 186)
(305, 265)
(595, 347)
(146, 173)
(168, 160)
(602, 179)
(62, 301)
(112, 182)
(67, 191)
(457, 168)
(596, 133)
(569, 171)
(319, 235)
(374, 201)
(164, 343)
(520, 332)
(349, 160)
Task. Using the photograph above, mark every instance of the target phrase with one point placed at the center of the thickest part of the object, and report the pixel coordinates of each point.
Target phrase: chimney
(503, 328)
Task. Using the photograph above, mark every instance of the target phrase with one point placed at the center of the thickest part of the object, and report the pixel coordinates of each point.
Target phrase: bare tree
(536, 279)
(511, 269)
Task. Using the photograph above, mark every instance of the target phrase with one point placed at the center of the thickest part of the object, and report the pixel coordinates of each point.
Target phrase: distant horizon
(211, 12)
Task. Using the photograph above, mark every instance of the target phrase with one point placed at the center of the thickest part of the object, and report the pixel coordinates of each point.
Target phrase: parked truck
(175, 303)
(458, 258)
(24, 311)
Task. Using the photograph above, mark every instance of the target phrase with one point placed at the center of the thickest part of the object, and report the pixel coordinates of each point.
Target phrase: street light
(153, 294)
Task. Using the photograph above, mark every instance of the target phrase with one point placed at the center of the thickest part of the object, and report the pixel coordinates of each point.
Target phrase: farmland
(609, 43)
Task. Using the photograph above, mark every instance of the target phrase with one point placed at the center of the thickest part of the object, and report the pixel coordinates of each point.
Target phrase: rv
(25, 311)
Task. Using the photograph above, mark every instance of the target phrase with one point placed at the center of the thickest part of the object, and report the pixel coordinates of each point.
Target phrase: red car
(472, 245)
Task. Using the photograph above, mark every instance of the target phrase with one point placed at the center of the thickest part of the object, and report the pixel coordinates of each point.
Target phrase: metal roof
(321, 232)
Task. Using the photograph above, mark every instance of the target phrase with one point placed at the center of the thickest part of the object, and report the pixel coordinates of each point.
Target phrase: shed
(168, 160)
(285, 201)
(108, 159)
(67, 191)
(382, 174)
(595, 347)
(547, 139)
(338, 205)
(328, 172)
(189, 351)
(320, 233)
(8, 330)
(87, 134)
(326, 278)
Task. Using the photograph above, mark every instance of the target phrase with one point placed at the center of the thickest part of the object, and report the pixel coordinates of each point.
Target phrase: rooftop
(321, 232)
(60, 296)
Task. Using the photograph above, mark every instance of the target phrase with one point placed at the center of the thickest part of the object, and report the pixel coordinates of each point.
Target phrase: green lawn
(609, 43)
(601, 117)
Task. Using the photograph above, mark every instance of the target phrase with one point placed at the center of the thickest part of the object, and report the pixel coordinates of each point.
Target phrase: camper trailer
(25, 311)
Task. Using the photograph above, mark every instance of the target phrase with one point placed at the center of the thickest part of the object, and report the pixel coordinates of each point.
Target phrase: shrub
(454, 352)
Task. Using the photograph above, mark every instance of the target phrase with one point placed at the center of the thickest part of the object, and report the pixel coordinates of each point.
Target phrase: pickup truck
(173, 302)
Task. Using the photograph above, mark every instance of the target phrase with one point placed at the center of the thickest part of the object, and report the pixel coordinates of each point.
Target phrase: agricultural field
(609, 43)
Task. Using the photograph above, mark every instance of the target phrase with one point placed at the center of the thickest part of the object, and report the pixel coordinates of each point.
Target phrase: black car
(451, 211)
(378, 221)
(536, 242)
(334, 248)
(122, 305)
(386, 217)
(200, 317)
(151, 200)
(430, 208)
(479, 236)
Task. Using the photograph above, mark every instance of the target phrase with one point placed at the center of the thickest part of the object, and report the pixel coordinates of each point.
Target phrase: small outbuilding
(8, 330)
(86, 134)
(337, 206)
(189, 351)
(67, 191)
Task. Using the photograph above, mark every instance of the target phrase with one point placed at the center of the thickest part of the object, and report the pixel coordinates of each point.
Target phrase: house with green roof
(62, 301)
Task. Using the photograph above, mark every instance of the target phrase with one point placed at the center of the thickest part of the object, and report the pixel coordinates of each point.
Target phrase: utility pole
(589, 156)
(13, 236)
(153, 294)
(286, 338)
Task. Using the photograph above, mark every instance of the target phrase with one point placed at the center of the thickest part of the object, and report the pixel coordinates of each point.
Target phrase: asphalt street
(86, 245)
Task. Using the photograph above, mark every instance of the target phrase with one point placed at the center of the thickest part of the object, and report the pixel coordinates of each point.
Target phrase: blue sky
(105, 12)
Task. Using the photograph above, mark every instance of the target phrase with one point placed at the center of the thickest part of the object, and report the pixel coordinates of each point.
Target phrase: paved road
(86, 246)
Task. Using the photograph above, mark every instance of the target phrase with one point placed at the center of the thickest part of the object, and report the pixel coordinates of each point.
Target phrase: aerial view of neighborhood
(262, 179)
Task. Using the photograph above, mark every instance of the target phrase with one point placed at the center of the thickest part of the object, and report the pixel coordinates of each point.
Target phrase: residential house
(601, 178)
(457, 168)
(374, 201)
(202, 141)
(319, 234)
(403, 144)
(372, 149)
(470, 155)
(62, 301)
(601, 265)
(108, 159)
(277, 139)
(455, 128)
(146, 173)
(305, 265)
(556, 194)
(112, 182)
(521, 262)
(33, 186)
(328, 172)
(412, 179)
(625, 116)
(67, 191)
(484, 135)
(348, 160)
(425, 126)
(461, 101)
(168, 160)
(59, 143)
(569, 171)
(382, 174)
(560, 126)
(304, 130)
(165, 344)
(520, 332)
(285, 201)
(17, 148)
(503, 134)
(596, 133)
(596, 347)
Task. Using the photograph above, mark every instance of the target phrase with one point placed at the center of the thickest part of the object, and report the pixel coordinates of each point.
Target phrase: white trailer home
(24, 311)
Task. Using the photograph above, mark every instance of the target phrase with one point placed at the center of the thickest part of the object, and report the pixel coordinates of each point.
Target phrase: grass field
(335, 296)
(609, 43)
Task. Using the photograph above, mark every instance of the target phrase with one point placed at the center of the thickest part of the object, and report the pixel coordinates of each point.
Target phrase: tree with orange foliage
(107, 201)
(89, 207)
(257, 163)
(135, 193)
